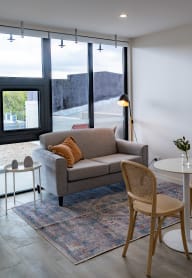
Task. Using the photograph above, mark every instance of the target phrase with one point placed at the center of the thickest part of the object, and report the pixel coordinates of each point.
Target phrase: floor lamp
(125, 102)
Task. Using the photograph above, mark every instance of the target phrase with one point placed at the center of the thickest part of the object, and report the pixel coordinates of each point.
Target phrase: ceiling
(98, 16)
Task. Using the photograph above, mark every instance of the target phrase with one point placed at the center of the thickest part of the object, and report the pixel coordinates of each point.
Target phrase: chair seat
(166, 205)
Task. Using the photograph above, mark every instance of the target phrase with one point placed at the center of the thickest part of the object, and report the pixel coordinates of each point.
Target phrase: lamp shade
(123, 100)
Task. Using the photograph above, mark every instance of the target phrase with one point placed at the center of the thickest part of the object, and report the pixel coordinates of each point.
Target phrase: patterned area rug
(91, 222)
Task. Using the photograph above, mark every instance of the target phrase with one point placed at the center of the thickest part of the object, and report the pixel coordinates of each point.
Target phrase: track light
(100, 48)
(22, 29)
(62, 44)
(11, 39)
(115, 41)
(76, 41)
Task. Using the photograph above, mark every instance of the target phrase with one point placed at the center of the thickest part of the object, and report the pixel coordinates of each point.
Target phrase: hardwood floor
(25, 254)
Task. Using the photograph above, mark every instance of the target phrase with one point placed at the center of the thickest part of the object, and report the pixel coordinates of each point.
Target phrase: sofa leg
(60, 198)
(38, 188)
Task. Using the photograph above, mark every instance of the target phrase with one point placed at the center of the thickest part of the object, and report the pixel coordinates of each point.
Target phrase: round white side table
(173, 238)
(21, 168)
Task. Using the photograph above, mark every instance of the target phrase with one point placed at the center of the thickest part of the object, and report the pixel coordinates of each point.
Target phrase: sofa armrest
(48, 158)
(54, 170)
(133, 148)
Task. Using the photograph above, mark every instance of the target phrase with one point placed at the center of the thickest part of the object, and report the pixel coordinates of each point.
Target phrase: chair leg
(133, 226)
(191, 201)
(151, 246)
(130, 232)
(160, 222)
(60, 199)
(157, 234)
(183, 234)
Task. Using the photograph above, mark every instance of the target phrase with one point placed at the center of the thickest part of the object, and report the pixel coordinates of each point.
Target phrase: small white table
(21, 168)
(173, 238)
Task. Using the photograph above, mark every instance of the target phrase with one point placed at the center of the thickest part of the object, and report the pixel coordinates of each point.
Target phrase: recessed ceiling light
(123, 15)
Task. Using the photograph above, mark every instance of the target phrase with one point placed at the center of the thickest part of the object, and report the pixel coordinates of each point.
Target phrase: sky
(22, 57)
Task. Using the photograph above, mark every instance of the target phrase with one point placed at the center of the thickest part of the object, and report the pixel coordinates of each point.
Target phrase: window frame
(43, 85)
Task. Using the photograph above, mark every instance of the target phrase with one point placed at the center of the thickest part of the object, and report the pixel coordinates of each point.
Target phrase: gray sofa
(101, 164)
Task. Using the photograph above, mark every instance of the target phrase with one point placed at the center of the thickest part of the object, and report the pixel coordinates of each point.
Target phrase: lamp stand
(131, 128)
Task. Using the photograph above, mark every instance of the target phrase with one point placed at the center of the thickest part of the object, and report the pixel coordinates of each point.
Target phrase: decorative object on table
(91, 222)
(28, 162)
(184, 145)
(14, 164)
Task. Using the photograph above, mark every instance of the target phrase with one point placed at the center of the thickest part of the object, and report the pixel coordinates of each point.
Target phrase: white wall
(162, 89)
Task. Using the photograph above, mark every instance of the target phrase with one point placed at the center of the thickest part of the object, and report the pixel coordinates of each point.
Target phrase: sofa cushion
(87, 168)
(93, 142)
(114, 160)
(65, 151)
(71, 143)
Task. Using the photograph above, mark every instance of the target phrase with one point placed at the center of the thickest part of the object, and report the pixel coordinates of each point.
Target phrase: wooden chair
(142, 197)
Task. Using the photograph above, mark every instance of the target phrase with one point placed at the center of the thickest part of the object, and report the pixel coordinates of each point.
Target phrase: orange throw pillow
(71, 143)
(65, 151)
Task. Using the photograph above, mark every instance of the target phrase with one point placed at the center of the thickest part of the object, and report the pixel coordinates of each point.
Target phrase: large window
(69, 84)
(57, 84)
(20, 57)
(25, 99)
(25, 92)
(108, 85)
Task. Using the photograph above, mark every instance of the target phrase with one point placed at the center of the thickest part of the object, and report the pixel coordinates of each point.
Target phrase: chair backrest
(140, 182)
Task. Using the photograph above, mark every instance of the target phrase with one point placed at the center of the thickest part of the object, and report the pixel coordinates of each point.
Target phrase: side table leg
(14, 187)
(186, 200)
(40, 184)
(33, 185)
(6, 192)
